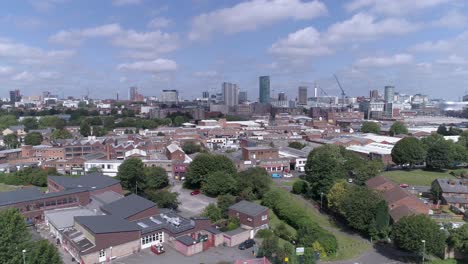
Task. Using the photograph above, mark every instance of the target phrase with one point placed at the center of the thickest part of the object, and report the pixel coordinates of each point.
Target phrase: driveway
(191, 205)
(211, 256)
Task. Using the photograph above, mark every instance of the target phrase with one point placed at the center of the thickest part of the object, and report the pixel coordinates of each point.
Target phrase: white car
(287, 175)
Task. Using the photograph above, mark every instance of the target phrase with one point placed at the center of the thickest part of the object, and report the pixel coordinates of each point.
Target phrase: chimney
(108, 151)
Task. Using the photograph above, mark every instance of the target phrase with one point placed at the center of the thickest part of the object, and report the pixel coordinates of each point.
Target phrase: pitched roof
(99, 224)
(19, 195)
(93, 180)
(248, 208)
(375, 182)
(401, 211)
(128, 206)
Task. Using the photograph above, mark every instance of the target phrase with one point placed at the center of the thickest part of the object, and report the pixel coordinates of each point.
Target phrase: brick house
(252, 216)
(174, 152)
(259, 153)
(454, 191)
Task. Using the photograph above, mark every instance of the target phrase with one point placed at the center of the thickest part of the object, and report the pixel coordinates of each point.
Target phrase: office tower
(282, 96)
(302, 97)
(230, 93)
(242, 97)
(170, 96)
(132, 93)
(389, 94)
(206, 94)
(264, 89)
(374, 94)
(15, 96)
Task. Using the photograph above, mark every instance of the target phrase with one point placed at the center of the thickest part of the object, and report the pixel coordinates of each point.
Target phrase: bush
(264, 233)
(299, 187)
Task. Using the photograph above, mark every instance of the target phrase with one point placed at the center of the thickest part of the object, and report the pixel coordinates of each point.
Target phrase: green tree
(191, 147)
(442, 130)
(30, 123)
(408, 150)
(255, 180)
(178, 121)
(324, 166)
(370, 127)
(212, 212)
(60, 134)
(363, 170)
(43, 252)
(300, 187)
(48, 121)
(219, 183)
(204, 164)
(224, 202)
(33, 138)
(131, 175)
(109, 122)
(164, 198)
(398, 128)
(14, 236)
(458, 239)
(7, 121)
(463, 140)
(11, 141)
(382, 219)
(409, 231)
(85, 128)
(439, 156)
(436, 191)
(156, 178)
(296, 145)
(337, 195)
(458, 153)
(431, 140)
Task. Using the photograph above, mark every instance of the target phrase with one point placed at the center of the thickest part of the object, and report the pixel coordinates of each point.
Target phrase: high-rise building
(282, 96)
(374, 94)
(15, 96)
(230, 93)
(170, 96)
(264, 89)
(302, 96)
(242, 97)
(132, 92)
(389, 94)
(206, 94)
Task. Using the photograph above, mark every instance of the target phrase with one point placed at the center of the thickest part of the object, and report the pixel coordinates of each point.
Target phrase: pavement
(191, 205)
(211, 256)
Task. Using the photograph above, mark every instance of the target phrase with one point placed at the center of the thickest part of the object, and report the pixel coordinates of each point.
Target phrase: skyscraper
(206, 94)
(374, 94)
(231, 94)
(302, 97)
(282, 96)
(242, 97)
(264, 89)
(132, 93)
(170, 96)
(389, 94)
(15, 96)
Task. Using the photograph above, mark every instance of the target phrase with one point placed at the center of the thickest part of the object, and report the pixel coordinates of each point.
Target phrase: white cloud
(393, 7)
(453, 19)
(360, 27)
(251, 15)
(154, 66)
(25, 54)
(305, 42)
(23, 76)
(206, 74)
(126, 2)
(159, 22)
(397, 59)
(155, 41)
(454, 60)
(446, 45)
(75, 37)
(49, 75)
(6, 70)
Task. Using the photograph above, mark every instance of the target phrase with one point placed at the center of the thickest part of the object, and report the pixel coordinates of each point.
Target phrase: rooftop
(128, 206)
(93, 180)
(63, 218)
(99, 224)
(248, 208)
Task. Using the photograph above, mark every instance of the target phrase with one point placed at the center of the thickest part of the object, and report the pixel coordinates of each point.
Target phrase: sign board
(299, 251)
(286, 259)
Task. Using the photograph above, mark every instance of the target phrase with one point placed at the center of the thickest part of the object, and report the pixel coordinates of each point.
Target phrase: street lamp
(424, 249)
(110, 254)
(24, 256)
(321, 201)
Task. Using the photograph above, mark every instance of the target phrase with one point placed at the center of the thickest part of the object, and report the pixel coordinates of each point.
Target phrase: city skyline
(418, 47)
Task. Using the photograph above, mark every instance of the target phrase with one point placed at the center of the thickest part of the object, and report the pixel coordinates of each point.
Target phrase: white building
(107, 167)
(231, 94)
(170, 96)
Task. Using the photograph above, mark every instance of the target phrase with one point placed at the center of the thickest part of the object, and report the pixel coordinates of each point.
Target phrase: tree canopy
(204, 164)
(131, 175)
(191, 147)
(33, 138)
(458, 239)
(296, 145)
(253, 183)
(218, 183)
(398, 128)
(408, 150)
(14, 236)
(155, 178)
(164, 198)
(11, 141)
(370, 127)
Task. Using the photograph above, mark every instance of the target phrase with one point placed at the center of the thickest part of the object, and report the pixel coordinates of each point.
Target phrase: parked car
(247, 244)
(276, 175)
(287, 175)
(195, 192)
(404, 185)
(157, 249)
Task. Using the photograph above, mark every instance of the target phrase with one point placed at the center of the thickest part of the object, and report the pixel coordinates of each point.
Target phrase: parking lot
(211, 256)
(191, 205)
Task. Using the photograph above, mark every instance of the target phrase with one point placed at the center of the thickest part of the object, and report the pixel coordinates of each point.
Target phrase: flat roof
(128, 206)
(95, 180)
(248, 208)
(64, 218)
(99, 224)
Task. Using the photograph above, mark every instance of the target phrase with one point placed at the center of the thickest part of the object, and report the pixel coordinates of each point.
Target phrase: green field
(7, 188)
(416, 177)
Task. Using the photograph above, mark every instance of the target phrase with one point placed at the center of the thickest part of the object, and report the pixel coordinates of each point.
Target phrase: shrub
(299, 187)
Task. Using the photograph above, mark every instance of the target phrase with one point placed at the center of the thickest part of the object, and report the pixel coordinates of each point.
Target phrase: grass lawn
(447, 261)
(7, 188)
(288, 183)
(416, 177)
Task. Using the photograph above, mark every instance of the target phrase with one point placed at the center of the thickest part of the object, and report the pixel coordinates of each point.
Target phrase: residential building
(231, 94)
(259, 153)
(170, 96)
(252, 216)
(454, 192)
(106, 167)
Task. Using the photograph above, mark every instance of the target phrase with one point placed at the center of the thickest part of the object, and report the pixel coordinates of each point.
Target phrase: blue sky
(106, 46)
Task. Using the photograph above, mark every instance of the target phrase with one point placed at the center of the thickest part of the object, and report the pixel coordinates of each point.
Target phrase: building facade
(264, 89)
(302, 95)
(231, 94)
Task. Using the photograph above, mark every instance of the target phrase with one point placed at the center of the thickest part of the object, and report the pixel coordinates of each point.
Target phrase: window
(109, 166)
(264, 217)
(102, 253)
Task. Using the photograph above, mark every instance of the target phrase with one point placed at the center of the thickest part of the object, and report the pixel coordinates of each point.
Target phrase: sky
(76, 47)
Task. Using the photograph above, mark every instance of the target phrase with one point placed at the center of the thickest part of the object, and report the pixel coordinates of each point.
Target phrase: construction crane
(343, 94)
